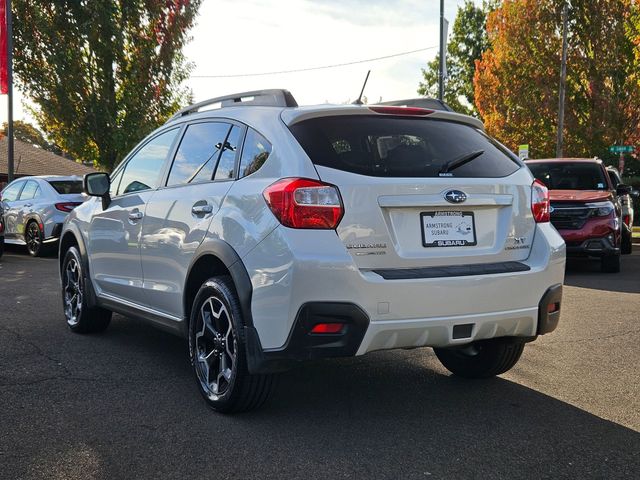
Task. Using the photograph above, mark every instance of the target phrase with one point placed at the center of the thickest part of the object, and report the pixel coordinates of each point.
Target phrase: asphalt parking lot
(123, 404)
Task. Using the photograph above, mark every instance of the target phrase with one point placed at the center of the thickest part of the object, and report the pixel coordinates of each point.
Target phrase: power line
(314, 68)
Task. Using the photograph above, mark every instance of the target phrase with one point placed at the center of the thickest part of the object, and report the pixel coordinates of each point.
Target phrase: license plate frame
(439, 217)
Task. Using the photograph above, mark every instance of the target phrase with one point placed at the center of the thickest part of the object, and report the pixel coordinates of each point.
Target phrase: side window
(198, 153)
(255, 152)
(144, 169)
(114, 182)
(10, 194)
(29, 190)
(227, 163)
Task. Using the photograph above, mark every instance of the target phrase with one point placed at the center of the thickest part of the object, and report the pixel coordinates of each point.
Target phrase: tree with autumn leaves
(517, 78)
(102, 73)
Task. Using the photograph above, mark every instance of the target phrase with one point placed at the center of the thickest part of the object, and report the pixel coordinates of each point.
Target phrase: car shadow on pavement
(585, 273)
(131, 410)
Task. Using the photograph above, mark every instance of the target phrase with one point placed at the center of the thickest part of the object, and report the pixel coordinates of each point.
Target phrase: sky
(237, 37)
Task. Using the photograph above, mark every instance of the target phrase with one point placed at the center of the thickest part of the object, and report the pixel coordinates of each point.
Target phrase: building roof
(30, 160)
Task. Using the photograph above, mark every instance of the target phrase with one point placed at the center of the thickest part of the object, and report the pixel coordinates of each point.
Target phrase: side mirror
(97, 185)
(635, 193)
(623, 189)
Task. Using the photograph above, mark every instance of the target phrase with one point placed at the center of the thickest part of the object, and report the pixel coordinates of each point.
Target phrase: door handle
(201, 209)
(135, 216)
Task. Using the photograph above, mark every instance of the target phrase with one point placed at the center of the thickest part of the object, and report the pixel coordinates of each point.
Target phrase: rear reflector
(415, 111)
(305, 203)
(553, 307)
(67, 206)
(328, 328)
(540, 204)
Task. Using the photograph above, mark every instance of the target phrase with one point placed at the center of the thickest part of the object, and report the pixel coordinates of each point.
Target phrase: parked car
(35, 208)
(626, 204)
(585, 207)
(268, 234)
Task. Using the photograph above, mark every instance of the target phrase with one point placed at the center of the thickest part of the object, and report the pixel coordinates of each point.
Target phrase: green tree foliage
(102, 73)
(26, 132)
(467, 42)
(517, 79)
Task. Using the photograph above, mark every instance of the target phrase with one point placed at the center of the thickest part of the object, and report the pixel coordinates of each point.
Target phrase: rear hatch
(402, 208)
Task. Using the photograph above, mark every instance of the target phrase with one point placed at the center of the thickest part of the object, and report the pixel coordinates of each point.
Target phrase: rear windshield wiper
(459, 161)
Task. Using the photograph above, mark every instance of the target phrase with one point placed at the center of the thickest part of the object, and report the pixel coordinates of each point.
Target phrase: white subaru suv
(268, 234)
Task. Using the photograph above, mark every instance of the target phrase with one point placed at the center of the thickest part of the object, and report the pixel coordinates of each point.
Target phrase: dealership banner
(4, 84)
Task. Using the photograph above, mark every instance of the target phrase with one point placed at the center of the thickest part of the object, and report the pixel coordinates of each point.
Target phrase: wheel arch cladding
(215, 258)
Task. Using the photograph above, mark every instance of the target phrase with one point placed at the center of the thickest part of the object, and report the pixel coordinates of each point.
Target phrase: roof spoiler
(430, 103)
(264, 98)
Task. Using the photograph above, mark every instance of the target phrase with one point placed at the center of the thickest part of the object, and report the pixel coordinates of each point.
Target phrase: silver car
(269, 234)
(35, 207)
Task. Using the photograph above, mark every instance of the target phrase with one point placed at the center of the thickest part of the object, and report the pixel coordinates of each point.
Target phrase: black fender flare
(71, 229)
(231, 260)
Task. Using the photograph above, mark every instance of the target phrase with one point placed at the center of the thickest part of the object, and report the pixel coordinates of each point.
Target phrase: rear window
(65, 187)
(401, 147)
(570, 175)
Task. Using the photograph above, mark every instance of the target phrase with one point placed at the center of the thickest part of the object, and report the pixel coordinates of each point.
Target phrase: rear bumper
(287, 271)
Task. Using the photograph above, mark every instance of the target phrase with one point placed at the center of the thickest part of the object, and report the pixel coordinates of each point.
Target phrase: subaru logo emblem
(455, 196)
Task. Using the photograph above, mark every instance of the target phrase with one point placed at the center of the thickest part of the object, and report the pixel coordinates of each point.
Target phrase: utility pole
(442, 47)
(563, 80)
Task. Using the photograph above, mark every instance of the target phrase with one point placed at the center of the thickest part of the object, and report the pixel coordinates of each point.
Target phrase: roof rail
(423, 102)
(271, 98)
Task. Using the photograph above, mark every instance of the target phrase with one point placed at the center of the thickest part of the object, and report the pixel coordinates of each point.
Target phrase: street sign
(621, 148)
(523, 151)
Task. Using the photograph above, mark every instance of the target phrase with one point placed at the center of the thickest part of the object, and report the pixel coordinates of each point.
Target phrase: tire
(481, 359)
(217, 347)
(626, 246)
(34, 239)
(610, 264)
(81, 318)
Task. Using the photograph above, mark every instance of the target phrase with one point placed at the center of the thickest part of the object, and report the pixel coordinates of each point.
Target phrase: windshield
(65, 187)
(386, 146)
(570, 175)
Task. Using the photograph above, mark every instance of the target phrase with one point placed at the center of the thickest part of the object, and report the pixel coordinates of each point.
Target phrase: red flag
(4, 83)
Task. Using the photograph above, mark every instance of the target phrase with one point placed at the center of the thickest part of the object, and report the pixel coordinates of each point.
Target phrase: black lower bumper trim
(303, 345)
(57, 229)
(597, 247)
(452, 271)
(548, 321)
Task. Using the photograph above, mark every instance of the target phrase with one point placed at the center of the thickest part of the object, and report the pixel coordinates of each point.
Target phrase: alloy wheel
(216, 348)
(33, 238)
(72, 292)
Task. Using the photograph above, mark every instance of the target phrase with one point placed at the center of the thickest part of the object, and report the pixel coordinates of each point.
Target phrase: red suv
(585, 208)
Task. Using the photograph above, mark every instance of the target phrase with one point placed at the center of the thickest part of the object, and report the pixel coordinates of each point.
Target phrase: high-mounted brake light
(305, 203)
(540, 204)
(415, 111)
(67, 206)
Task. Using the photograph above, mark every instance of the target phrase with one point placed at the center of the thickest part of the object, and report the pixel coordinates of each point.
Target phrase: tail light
(67, 206)
(540, 204)
(305, 203)
(626, 219)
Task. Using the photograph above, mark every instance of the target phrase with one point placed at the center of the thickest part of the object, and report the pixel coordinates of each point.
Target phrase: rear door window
(198, 153)
(29, 190)
(384, 146)
(227, 164)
